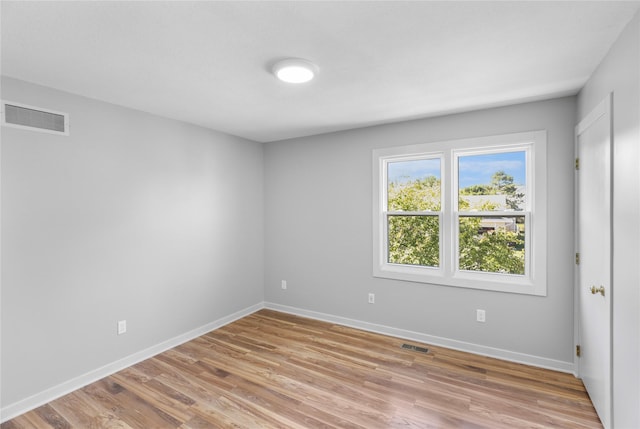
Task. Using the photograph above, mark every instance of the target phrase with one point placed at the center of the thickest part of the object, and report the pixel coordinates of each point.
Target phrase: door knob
(594, 290)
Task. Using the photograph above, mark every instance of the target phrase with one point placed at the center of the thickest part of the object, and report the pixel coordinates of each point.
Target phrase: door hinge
(578, 351)
(577, 163)
(577, 258)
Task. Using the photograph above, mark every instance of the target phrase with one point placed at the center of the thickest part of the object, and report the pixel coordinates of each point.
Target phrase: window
(468, 213)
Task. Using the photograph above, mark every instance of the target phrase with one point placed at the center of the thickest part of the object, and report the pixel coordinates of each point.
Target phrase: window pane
(494, 244)
(414, 240)
(414, 185)
(491, 182)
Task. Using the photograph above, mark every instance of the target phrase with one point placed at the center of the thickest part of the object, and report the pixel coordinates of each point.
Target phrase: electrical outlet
(122, 327)
(480, 316)
(284, 284)
(372, 298)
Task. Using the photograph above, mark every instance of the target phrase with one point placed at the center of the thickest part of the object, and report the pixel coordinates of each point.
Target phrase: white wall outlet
(480, 316)
(122, 327)
(284, 284)
(372, 298)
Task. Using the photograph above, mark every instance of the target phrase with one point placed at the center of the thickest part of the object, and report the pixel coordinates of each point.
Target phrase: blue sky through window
(473, 169)
(405, 171)
(478, 169)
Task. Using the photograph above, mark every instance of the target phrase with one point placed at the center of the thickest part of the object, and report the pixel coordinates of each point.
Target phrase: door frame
(605, 106)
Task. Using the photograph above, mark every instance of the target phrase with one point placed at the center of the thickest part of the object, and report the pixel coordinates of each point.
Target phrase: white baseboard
(28, 404)
(507, 355)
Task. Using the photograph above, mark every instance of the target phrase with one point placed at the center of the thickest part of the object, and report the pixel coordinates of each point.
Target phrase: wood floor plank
(109, 421)
(77, 409)
(276, 370)
(31, 420)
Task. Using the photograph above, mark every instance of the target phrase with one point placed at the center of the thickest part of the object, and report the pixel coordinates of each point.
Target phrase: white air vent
(32, 118)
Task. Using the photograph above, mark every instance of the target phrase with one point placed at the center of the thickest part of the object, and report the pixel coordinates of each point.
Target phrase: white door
(593, 140)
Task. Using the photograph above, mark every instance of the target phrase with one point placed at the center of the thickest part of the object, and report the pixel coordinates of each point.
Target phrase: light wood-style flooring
(274, 370)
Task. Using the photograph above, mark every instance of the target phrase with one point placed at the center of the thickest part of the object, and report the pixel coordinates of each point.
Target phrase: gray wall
(131, 217)
(619, 73)
(318, 235)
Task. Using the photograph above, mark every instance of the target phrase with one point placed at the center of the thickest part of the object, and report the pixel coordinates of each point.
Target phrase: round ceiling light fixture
(295, 70)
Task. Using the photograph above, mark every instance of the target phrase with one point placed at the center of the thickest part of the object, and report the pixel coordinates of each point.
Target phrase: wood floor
(273, 370)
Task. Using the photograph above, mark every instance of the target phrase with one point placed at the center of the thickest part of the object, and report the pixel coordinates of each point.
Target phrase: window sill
(470, 280)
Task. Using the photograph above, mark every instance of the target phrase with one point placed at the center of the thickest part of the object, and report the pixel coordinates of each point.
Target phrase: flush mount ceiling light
(295, 70)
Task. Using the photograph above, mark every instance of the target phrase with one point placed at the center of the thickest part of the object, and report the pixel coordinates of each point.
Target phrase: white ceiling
(384, 61)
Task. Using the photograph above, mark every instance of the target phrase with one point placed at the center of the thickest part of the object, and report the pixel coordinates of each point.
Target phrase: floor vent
(415, 348)
(19, 115)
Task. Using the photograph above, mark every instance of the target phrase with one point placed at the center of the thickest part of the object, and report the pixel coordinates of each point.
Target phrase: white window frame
(534, 280)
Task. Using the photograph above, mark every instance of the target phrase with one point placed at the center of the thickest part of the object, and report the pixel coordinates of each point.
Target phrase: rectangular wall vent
(19, 115)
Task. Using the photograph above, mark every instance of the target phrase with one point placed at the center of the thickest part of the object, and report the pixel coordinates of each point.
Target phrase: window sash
(491, 150)
(384, 166)
(386, 250)
(496, 214)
